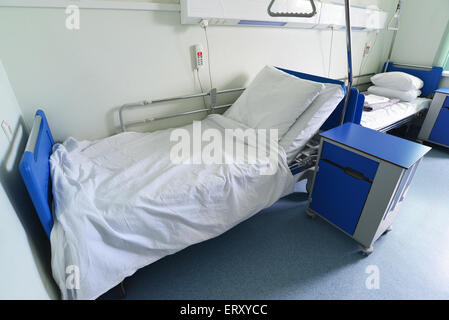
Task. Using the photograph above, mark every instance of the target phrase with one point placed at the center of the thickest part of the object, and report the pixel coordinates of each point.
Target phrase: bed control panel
(359, 185)
(435, 128)
(199, 56)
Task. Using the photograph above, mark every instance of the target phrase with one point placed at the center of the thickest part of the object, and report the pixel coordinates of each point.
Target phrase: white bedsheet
(383, 117)
(121, 204)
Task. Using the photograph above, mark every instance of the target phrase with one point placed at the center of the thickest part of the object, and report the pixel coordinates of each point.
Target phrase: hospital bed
(244, 199)
(404, 113)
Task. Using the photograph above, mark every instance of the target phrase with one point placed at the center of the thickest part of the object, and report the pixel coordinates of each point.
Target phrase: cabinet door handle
(349, 171)
(354, 173)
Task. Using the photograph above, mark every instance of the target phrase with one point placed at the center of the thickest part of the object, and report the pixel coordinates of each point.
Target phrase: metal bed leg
(121, 287)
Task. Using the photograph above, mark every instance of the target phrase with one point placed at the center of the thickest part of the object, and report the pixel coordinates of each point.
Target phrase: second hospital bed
(121, 203)
(404, 113)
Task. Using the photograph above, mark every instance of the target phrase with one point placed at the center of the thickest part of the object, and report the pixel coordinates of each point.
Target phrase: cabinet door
(339, 193)
(440, 131)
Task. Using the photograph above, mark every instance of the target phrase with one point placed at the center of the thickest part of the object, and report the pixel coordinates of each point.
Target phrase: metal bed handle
(292, 14)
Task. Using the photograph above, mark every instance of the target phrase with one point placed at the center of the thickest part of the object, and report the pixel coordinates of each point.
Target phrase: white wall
(24, 251)
(81, 77)
(422, 26)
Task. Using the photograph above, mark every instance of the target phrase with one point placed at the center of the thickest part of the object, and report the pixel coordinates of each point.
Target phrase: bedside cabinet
(361, 179)
(435, 128)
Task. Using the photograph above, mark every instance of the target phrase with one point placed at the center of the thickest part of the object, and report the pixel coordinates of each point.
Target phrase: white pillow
(309, 123)
(397, 80)
(391, 93)
(273, 100)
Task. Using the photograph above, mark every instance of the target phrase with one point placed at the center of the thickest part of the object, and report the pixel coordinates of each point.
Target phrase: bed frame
(431, 76)
(35, 170)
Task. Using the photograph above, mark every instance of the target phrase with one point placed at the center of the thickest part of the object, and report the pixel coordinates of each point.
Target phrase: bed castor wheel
(122, 290)
(366, 251)
(309, 185)
(310, 214)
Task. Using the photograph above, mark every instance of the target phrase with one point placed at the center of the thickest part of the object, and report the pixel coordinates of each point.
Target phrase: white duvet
(121, 204)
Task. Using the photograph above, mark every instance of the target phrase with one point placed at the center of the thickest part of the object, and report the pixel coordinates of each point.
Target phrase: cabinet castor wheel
(310, 214)
(388, 230)
(366, 251)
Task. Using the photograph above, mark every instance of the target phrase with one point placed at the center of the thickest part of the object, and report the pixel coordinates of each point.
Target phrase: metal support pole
(396, 15)
(349, 52)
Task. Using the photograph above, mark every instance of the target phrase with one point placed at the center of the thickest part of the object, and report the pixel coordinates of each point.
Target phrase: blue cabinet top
(443, 90)
(395, 150)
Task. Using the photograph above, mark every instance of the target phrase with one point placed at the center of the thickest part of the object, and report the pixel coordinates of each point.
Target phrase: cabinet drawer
(348, 159)
(440, 131)
(338, 196)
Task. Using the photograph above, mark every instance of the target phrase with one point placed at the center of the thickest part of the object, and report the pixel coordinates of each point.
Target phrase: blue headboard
(430, 76)
(354, 108)
(35, 170)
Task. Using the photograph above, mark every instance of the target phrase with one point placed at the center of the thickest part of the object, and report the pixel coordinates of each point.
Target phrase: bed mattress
(382, 118)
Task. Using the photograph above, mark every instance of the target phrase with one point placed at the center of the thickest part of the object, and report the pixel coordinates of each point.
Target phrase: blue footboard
(35, 170)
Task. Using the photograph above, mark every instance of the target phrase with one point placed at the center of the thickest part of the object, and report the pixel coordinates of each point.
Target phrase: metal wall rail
(213, 94)
(394, 64)
(213, 106)
(362, 84)
(359, 76)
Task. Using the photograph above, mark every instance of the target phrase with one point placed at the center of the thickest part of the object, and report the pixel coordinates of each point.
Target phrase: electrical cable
(330, 53)
(365, 59)
(201, 87)
(208, 57)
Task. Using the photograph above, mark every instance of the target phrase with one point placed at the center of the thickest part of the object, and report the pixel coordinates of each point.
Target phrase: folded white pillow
(309, 123)
(274, 100)
(397, 80)
(408, 96)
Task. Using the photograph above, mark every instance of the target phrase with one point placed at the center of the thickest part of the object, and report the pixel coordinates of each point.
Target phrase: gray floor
(282, 254)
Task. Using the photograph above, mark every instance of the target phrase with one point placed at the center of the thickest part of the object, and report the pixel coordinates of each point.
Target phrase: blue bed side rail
(353, 111)
(431, 76)
(35, 169)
